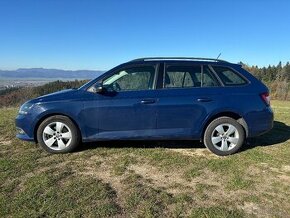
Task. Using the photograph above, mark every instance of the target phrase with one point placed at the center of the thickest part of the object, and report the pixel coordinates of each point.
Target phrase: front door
(127, 108)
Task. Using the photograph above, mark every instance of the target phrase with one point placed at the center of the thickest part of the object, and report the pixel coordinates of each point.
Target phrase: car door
(126, 109)
(187, 95)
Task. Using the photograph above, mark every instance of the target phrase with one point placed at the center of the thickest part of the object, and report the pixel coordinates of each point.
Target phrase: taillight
(266, 98)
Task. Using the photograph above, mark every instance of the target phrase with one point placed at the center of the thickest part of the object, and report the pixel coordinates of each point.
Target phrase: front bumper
(24, 127)
(24, 137)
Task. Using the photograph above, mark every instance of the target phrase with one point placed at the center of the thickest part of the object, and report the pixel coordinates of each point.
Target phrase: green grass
(76, 197)
(142, 200)
(121, 164)
(108, 179)
(238, 182)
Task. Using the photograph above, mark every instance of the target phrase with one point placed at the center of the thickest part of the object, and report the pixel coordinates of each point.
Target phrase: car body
(156, 99)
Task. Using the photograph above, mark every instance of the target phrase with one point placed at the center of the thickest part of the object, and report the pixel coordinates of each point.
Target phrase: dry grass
(146, 179)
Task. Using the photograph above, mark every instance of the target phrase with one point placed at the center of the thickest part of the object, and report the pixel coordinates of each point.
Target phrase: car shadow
(280, 133)
(182, 144)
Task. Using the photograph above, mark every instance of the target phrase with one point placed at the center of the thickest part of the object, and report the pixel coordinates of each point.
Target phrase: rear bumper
(260, 122)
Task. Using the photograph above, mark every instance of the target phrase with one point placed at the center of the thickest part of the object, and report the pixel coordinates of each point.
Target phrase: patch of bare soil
(156, 177)
(285, 178)
(268, 180)
(173, 182)
(5, 142)
(281, 174)
(214, 187)
(203, 152)
(286, 168)
(252, 208)
(103, 172)
(211, 193)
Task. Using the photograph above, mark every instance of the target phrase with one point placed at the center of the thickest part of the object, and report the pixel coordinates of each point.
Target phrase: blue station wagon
(214, 101)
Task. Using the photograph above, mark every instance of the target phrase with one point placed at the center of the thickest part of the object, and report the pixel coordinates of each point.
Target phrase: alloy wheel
(225, 137)
(57, 136)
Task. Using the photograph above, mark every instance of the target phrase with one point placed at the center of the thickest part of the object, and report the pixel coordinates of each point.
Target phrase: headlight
(25, 108)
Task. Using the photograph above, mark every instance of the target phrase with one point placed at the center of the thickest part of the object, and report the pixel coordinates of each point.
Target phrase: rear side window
(208, 79)
(182, 76)
(188, 76)
(229, 77)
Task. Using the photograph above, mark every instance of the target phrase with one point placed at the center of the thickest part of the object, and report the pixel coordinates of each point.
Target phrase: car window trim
(232, 69)
(179, 64)
(160, 72)
(155, 65)
(220, 84)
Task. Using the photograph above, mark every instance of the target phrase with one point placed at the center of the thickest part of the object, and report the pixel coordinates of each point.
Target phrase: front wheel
(58, 134)
(224, 136)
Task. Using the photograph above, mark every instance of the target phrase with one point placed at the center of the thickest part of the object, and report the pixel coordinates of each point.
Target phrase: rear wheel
(58, 134)
(224, 136)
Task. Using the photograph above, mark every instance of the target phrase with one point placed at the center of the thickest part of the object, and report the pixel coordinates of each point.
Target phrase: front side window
(188, 76)
(133, 78)
(228, 76)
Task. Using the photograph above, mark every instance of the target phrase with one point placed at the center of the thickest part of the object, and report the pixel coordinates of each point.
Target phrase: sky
(97, 35)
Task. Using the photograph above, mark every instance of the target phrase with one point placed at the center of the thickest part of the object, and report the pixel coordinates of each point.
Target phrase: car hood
(67, 94)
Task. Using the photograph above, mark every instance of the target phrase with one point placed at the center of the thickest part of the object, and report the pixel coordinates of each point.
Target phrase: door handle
(204, 99)
(148, 101)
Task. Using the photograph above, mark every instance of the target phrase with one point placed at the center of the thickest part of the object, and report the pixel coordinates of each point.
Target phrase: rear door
(186, 96)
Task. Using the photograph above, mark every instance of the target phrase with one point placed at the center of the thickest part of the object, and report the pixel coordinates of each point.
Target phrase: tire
(224, 136)
(58, 134)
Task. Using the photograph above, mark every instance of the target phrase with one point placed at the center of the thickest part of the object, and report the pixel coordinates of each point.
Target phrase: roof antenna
(218, 56)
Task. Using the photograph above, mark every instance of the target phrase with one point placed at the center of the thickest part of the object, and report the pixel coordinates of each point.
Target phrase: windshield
(89, 83)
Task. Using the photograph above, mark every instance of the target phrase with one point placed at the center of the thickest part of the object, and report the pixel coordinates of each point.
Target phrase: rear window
(229, 77)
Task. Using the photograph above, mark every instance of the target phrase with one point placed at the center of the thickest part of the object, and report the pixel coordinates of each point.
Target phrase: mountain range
(42, 73)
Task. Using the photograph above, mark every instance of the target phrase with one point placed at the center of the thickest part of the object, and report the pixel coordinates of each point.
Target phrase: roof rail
(178, 58)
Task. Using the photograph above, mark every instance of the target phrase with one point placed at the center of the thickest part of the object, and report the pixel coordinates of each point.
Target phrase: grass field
(152, 179)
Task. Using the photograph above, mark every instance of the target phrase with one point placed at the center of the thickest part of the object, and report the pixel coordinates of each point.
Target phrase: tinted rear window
(180, 76)
(229, 77)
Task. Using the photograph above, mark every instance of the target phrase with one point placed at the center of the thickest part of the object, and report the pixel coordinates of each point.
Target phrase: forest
(276, 77)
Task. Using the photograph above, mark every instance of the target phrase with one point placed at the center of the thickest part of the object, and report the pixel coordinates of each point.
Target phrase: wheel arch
(53, 114)
(230, 114)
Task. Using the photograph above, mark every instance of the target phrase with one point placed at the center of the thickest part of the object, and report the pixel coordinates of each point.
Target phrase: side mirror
(98, 88)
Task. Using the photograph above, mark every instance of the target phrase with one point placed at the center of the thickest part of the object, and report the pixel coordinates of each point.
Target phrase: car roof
(171, 60)
(182, 59)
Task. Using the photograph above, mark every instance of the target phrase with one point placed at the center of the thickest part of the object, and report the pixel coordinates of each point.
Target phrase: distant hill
(53, 74)
(17, 95)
